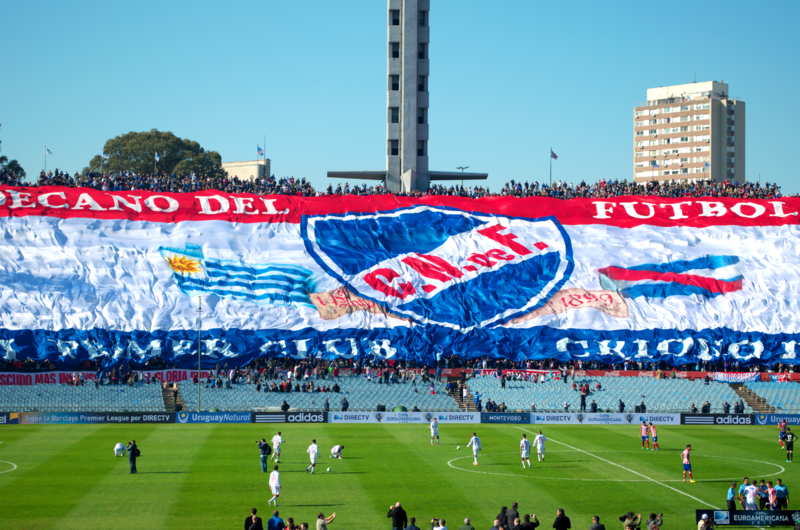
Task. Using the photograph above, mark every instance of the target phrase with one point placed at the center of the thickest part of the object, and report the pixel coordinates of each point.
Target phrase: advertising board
(775, 419)
(718, 419)
(458, 417)
(82, 418)
(506, 417)
(9, 418)
(554, 418)
(290, 417)
(213, 417)
(751, 517)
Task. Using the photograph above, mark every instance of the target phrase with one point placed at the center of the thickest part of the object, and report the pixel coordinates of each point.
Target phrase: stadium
(187, 345)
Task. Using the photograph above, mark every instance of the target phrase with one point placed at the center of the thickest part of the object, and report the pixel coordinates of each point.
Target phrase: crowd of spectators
(386, 371)
(170, 183)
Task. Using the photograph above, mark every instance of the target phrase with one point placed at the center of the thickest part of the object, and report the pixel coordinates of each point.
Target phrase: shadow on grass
(160, 472)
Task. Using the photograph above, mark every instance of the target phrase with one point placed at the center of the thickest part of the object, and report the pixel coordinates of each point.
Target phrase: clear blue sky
(508, 81)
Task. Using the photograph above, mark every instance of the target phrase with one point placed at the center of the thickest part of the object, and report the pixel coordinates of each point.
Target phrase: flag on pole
(49, 152)
(553, 155)
(104, 155)
(157, 157)
(708, 165)
(260, 151)
(654, 164)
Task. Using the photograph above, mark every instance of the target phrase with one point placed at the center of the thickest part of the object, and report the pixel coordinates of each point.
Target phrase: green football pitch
(208, 476)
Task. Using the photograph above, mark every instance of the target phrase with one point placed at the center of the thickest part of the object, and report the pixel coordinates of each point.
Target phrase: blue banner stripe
(255, 270)
(681, 266)
(662, 290)
(287, 286)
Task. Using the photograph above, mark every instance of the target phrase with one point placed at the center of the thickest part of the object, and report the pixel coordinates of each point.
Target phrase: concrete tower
(407, 101)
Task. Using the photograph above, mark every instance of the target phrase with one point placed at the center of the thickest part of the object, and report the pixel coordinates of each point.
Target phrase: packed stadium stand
(783, 397)
(664, 395)
(67, 398)
(360, 394)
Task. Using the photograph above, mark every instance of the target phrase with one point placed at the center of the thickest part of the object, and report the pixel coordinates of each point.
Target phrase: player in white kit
(539, 443)
(276, 448)
(525, 451)
(312, 451)
(435, 431)
(275, 486)
(119, 450)
(475, 442)
(336, 452)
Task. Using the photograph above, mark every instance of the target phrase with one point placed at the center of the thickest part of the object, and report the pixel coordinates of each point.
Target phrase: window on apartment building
(394, 147)
(730, 128)
(652, 131)
(684, 138)
(684, 129)
(421, 115)
(639, 133)
(422, 83)
(422, 148)
(394, 114)
(394, 82)
(684, 160)
(395, 16)
(684, 118)
(652, 122)
(423, 18)
(394, 50)
(684, 108)
(421, 50)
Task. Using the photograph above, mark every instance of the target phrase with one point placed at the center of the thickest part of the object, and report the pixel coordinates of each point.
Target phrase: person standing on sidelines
(654, 435)
(275, 486)
(782, 496)
(732, 496)
(539, 443)
(312, 451)
(475, 442)
(399, 517)
(687, 465)
(789, 439)
(265, 449)
(276, 448)
(133, 453)
(525, 451)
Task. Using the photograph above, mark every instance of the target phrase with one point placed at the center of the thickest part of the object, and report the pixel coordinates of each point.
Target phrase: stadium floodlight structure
(407, 103)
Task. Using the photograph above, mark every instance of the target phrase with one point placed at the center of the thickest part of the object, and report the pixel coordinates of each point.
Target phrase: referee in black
(788, 441)
(133, 452)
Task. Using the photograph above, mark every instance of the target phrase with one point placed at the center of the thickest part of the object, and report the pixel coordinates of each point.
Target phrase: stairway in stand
(758, 404)
(171, 396)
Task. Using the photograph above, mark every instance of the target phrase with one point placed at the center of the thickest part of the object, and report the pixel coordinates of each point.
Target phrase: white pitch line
(10, 470)
(628, 470)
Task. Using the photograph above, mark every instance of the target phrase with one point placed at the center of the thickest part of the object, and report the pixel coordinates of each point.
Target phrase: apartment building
(689, 132)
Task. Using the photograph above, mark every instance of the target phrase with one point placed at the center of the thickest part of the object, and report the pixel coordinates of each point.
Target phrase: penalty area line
(628, 470)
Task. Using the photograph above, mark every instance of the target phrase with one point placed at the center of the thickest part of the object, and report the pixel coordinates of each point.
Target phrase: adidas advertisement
(290, 417)
(718, 419)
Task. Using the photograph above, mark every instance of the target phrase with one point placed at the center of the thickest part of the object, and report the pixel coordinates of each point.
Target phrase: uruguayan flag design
(260, 284)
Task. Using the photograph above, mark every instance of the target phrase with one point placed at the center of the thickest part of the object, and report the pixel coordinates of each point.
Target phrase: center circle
(13, 466)
(781, 469)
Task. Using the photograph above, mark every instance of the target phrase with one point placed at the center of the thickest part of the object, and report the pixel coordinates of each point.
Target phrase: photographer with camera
(265, 451)
(399, 517)
(133, 453)
(654, 522)
(438, 524)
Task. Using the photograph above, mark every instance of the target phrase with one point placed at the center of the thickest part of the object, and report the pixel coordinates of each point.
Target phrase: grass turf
(208, 476)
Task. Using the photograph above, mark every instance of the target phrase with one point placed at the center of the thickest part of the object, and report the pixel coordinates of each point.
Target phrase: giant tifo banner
(119, 276)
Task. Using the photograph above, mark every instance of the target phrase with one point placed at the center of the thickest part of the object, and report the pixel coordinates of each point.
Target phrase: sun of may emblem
(184, 265)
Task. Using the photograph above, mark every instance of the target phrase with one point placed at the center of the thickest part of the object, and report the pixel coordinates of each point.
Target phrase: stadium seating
(784, 397)
(65, 398)
(360, 394)
(665, 395)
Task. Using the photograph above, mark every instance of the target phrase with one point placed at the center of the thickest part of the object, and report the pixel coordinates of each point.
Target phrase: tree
(12, 167)
(136, 151)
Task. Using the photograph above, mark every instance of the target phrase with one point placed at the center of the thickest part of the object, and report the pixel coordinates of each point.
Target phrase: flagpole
(45, 160)
(551, 167)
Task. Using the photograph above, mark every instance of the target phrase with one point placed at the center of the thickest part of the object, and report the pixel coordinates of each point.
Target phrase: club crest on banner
(443, 266)
(428, 417)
